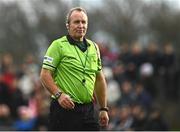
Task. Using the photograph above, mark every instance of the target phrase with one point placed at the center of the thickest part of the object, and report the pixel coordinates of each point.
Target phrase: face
(77, 26)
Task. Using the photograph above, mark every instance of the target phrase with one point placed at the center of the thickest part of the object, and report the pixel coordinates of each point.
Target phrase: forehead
(78, 15)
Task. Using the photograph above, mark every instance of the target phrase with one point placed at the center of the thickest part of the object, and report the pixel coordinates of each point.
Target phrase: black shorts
(82, 117)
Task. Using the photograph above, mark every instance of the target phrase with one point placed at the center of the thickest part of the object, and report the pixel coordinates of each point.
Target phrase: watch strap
(104, 109)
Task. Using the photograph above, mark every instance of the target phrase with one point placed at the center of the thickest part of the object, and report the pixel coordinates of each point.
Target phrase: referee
(71, 72)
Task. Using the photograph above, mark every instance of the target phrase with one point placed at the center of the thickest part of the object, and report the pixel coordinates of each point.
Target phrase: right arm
(48, 82)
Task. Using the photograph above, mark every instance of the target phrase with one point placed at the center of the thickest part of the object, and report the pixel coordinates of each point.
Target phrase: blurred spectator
(108, 57)
(168, 71)
(42, 106)
(125, 119)
(119, 72)
(5, 95)
(135, 60)
(30, 77)
(17, 100)
(126, 93)
(8, 72)
(8, 85)
(142, 96)
(26, 121)
(139, 115)
(153, 56)
(124, 55)
(149, 70)
(5, 118)
(114, 118)
(156, 120)
(146, 76)
(113, 88)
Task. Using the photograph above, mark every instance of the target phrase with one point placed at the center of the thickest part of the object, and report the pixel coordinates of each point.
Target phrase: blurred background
(139, 41)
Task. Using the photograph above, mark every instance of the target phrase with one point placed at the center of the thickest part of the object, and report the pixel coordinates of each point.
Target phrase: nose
(81, 24)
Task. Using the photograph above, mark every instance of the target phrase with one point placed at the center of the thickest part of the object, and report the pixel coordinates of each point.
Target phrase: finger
(69, 104)
(103, 122)
(64, 104)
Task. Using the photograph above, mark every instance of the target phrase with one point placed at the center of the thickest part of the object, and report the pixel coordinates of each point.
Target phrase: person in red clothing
(8, 76)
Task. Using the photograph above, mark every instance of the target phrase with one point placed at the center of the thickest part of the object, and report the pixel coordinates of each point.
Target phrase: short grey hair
(74, 9)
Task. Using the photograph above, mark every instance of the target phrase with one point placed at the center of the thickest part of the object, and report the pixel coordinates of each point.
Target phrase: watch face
(58, 94)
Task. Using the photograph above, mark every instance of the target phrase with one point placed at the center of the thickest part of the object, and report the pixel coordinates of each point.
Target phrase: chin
(80, 36)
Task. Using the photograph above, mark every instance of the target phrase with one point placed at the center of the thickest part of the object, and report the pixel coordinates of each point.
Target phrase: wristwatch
(57, 95)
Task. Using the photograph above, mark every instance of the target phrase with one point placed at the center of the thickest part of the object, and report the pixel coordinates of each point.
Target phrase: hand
(65, 101)
(103, 118)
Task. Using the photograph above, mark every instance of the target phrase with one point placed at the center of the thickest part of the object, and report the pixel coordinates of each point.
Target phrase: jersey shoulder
(61, 40)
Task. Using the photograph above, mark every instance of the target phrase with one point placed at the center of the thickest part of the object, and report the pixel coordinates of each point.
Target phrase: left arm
(101, 94)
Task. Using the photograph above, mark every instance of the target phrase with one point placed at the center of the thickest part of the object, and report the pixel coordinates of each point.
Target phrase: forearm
(100, 90)
(48, 82)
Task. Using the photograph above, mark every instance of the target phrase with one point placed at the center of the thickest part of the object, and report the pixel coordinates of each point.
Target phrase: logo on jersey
(48, 59)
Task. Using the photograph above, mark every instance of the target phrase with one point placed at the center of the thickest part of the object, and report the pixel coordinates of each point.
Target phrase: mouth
(80, 31)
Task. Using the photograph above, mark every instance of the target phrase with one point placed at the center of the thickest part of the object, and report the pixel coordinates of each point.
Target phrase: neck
(77, 39)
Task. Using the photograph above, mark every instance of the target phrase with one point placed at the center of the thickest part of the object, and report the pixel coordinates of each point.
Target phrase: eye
(83, 22)
(77, 21)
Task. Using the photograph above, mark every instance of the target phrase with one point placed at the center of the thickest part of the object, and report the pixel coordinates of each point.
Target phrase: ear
(67, 26)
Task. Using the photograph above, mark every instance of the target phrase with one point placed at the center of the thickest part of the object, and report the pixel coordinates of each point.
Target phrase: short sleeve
(99, 57)
(52, 56)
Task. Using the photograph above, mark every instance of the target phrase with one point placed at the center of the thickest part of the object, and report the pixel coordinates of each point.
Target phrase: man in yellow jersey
(71, 72)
